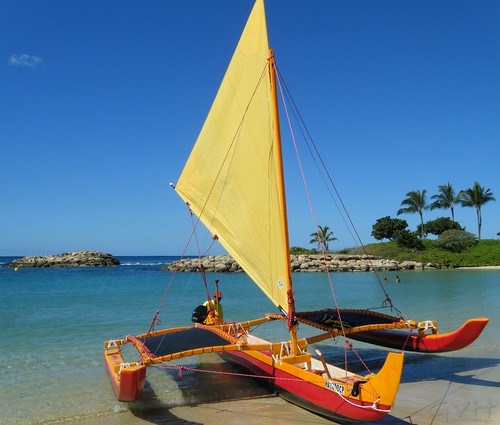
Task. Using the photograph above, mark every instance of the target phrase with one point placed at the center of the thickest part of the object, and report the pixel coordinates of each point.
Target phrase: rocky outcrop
(212, 263)
(69, 259)
(303, 263)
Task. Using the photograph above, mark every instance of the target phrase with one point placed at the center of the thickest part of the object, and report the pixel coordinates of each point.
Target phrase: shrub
(407, 239)
(439, 225)
(386, 227)
(456, 240)
(298, 250)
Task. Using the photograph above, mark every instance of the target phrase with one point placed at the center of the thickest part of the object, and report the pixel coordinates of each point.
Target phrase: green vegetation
(456, 240)
(476, 197)
(439, 226)
(321, 237)
(297, 250)
(407, 239)
(386, 227)
(446, 198)
(484, 253)
(454, 247)
(415, 203)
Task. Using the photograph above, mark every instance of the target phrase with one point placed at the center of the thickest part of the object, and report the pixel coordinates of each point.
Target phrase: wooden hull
(127, 382)
(429, 343)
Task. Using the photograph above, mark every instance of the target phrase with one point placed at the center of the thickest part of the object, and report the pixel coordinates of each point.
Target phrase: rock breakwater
(69, 259)
(303, 263)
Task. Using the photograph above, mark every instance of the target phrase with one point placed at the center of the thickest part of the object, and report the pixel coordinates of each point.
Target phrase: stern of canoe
(127, 379)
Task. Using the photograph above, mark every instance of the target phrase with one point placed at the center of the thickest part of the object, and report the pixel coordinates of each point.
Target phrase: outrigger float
(395, 332)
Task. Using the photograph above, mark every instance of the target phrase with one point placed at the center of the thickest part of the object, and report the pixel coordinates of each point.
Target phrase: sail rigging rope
(240, 374)
(351, 228)
(155, 319)
(311, 208)
(200, 255)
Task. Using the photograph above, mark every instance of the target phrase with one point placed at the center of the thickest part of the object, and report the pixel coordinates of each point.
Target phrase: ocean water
(54, 323)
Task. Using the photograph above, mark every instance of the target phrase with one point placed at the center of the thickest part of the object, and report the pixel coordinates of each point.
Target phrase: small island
(384, 256)
(69, 259)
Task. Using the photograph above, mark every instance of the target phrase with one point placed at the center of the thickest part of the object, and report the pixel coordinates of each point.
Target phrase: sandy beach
(481, 268)
(454, 390)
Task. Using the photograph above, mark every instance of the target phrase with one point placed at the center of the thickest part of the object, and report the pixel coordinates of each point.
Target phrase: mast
(282, 198)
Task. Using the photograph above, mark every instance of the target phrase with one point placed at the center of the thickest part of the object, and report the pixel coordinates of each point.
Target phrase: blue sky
(101, 103)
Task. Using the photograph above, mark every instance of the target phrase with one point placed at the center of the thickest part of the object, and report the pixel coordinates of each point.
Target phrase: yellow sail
(231, 180)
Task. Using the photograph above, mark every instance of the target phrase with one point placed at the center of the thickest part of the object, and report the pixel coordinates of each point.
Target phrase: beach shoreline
(454, 388)
(437, 402)
(479, 268)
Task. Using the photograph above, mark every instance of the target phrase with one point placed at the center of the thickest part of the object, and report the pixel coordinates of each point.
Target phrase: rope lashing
(426, 325)
(291, 314)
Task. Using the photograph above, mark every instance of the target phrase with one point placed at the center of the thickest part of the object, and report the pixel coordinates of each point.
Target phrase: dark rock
(69, 259)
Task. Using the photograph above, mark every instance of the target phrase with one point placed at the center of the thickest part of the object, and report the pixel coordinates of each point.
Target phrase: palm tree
(416, 203)
(446, 199)
(321, 237)
(476, 197)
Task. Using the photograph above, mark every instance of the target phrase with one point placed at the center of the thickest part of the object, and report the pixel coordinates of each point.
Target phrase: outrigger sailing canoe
(233, 182)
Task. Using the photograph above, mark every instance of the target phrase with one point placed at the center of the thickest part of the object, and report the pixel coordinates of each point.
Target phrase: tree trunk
(478, 210)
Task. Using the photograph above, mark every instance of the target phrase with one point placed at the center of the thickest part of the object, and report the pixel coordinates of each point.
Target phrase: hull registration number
(338, 388)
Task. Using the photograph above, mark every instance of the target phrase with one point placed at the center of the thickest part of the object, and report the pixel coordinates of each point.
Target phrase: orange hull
(127, 379)
(430, 343)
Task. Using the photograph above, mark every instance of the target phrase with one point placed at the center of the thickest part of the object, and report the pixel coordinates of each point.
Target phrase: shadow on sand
(212, 381)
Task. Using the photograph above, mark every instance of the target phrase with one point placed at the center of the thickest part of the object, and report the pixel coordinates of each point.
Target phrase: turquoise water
(54, 322)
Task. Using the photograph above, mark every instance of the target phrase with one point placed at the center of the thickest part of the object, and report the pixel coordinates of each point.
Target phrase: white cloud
(25, 60)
